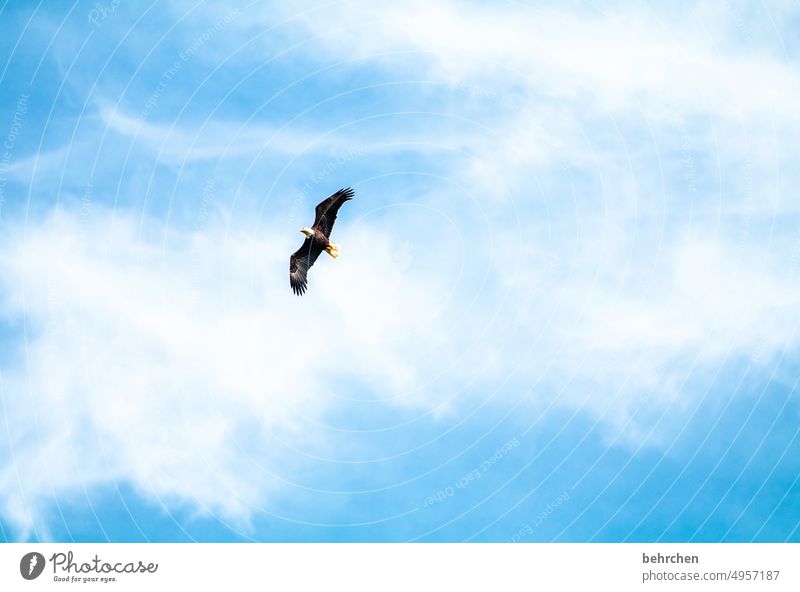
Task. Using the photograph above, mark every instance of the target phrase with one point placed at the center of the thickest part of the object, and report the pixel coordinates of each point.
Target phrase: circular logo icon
(31, 565)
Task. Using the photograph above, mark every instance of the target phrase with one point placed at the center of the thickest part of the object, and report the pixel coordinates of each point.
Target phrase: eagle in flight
(317, 240)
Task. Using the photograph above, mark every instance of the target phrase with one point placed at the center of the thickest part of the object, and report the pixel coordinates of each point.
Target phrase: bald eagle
(317, 240)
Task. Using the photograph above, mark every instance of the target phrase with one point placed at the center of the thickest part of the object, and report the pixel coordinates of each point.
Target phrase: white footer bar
(355, 567)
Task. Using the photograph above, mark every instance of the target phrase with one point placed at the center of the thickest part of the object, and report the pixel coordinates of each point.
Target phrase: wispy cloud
(626, 58)
(177, 144)
(145, 358)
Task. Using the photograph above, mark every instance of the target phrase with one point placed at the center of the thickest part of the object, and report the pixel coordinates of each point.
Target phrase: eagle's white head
(307, 231)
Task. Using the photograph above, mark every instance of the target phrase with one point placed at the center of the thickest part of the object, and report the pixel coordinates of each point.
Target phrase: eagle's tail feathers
(333, 250)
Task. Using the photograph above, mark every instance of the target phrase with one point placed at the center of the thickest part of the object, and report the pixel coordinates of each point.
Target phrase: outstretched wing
(328, 208)
(299, 264)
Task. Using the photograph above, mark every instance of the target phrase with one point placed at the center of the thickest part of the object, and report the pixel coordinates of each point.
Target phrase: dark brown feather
(300, 262)
(328, 208)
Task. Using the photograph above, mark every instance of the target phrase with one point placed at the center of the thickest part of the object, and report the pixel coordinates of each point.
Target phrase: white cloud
(632, 333)
(177, 144)
(586, 89)
(626, 58)
(145, 359)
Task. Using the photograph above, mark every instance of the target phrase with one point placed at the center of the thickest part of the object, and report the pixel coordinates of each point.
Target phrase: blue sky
(565, 310)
